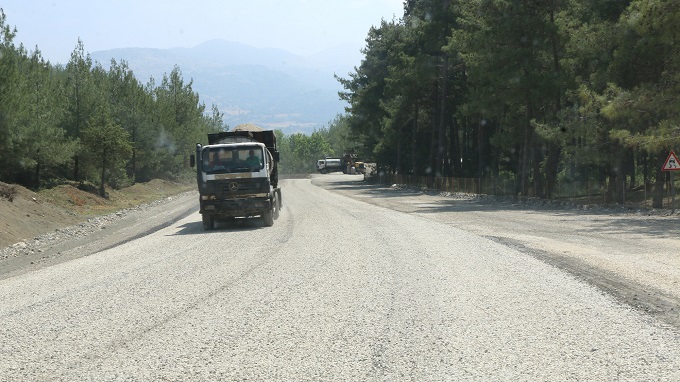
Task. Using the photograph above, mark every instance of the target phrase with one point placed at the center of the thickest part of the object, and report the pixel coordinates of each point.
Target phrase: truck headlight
(208, 197)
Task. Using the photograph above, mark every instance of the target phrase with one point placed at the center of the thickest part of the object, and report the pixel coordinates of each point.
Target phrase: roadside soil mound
(30, 214)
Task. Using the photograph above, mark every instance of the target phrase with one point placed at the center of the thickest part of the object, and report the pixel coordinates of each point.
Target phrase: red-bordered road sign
(672, 163)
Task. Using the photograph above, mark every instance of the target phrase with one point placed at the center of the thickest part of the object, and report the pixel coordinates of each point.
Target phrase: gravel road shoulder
(633, 255)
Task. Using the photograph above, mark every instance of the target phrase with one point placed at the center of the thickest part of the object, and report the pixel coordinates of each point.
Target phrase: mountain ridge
(271, 87)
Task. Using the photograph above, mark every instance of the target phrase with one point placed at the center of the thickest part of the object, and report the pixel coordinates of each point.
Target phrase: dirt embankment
(27, 214)
(53, 226)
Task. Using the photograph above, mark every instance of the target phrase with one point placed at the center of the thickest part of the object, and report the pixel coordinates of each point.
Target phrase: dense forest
(82, 123)
(535, 91)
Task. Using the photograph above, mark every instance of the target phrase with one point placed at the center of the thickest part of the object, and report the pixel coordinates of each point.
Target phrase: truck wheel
(275, 206)
(323, 171)
(268, 218)
(208, 222)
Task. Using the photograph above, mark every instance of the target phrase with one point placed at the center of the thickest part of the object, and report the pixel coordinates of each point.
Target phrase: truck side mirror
(276, 156)
(192, 160)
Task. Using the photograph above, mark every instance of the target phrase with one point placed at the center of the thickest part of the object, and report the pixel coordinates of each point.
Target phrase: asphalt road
(337, 290)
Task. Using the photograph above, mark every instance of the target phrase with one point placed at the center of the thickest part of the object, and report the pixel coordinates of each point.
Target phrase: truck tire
(268, 217)
(275, 206)
(208, 222)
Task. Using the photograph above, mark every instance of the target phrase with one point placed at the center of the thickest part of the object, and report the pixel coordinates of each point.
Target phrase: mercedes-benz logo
(233, 186)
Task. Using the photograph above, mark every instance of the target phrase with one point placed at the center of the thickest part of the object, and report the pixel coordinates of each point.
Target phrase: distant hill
(268, 87)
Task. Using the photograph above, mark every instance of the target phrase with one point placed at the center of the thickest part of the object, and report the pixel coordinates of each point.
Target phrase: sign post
(672, 164)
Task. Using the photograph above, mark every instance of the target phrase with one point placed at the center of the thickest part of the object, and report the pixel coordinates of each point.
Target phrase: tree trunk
(399, 132)
(630, 168)
(527, 145)
(455, 149)
(441, 147)
(660, 180)
(551, 168)
(537, 159)
(496, 162)
(37, 174)
(102, 189)
(414, 143)
(76, 168)
(434, 129)
(133, 160)
(482, 148)
(619, 173)
(442, 154)
(525, 161)
(644, 161)
(554, 150)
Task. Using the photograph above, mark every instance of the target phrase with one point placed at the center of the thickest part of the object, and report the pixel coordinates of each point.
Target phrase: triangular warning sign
(672, 163)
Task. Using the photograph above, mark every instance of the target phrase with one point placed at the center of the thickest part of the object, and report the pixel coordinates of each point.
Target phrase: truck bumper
(235, 207)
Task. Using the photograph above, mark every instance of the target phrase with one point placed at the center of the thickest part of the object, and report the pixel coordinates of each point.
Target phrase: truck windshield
(220, 159)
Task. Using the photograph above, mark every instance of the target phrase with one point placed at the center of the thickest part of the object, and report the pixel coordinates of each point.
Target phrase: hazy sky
(299, 26)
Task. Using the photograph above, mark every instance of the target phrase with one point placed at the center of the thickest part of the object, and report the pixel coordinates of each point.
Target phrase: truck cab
(237, 176)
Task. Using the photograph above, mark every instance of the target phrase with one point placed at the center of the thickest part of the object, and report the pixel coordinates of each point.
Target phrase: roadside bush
(8, 191)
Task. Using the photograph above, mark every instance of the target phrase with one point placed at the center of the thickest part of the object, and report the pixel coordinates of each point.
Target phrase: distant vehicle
(327, 165)
(360, 167)
(346, 164)
(237, 176)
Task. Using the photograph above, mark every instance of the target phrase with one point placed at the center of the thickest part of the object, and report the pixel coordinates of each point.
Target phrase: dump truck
(237, 176)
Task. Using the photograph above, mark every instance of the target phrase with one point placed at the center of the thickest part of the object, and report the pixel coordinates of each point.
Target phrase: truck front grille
(240, 187)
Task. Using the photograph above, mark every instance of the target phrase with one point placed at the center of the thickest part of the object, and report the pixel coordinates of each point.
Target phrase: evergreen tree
(41, 141)
(181, 120)
(79, 89)
(9, 78)
(364, 90)
(108, 148)
(127, 98)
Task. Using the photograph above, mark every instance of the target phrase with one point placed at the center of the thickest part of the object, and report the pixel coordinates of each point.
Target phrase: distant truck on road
(344, 164)
(327, 165)
(237, 176)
